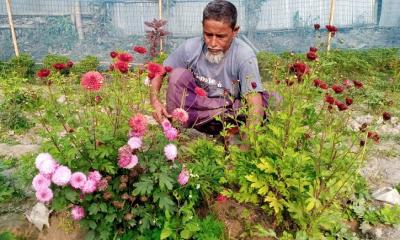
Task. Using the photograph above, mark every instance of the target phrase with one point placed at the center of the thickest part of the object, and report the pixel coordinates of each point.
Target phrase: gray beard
(214, 58)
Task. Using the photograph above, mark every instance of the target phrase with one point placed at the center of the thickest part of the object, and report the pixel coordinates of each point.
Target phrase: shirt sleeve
(177, 59)
(249, 77)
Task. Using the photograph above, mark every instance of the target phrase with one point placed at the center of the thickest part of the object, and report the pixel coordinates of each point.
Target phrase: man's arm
(159, 109)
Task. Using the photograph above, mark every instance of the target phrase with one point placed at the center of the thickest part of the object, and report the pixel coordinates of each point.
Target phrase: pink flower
(40, 181)
(44, 195)
(156, 69)
(42, 157)
(180, 114)
(138, 124)
(221, 198)
(77, 180)
(135, 143)
(140, 49)
(43, 73)
(166, 124)
(125, 158)
(113, 54)
(94, 175)
(47, 166)
(170, 151)
(200, 92)
(61, 176)
(171, 133)
(125, 57)
(183, 177)
(92, 81)
(133, 162)
(89, 186)
(77, 213)
(123, 67)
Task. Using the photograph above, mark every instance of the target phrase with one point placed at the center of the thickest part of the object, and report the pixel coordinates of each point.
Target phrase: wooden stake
(160, 17)
(331, 14)
(78, 19)
(10, 21)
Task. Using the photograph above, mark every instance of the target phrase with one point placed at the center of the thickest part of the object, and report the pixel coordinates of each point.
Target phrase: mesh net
(76, 28)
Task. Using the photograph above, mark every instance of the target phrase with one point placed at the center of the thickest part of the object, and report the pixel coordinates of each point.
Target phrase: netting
(94, 27)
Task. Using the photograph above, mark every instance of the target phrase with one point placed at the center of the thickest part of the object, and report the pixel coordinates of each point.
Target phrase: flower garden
(106, 168)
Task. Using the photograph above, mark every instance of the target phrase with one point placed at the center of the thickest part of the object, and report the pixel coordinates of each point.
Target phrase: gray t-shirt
(237, 72)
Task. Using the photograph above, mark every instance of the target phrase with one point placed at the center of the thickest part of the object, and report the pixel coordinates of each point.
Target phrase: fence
(94, 27)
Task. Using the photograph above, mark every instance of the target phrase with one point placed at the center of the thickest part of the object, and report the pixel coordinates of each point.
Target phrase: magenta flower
(92, 81)
(61, 176)
(135, 143)
(171, 133)
(183, 177)
(140, 49)
(77, 180)
(44, 195)
(170, 151)
(94, 175)
(138, 124)
(77, 213)
(40, 181)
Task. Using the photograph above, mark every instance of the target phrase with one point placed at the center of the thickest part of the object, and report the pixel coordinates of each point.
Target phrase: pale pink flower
(166, 124)
(95, 176)
(61, 176)
(40, 181)
(170, 151)
(180, 115)
(41, 157)
(183, 177)
(47, 166)
(77, 213)
(134, 161)
(92, 81)
(77, 180)
(89, 186)
(171, 134)
(44, 195)
(135, 143)
(124, 156)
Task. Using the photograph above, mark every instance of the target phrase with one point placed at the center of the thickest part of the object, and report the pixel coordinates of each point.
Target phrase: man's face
(218, 36)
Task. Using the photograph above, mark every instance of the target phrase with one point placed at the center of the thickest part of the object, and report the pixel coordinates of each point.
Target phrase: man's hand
(159, 112)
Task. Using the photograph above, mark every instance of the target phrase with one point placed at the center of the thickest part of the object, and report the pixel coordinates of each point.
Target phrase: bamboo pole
(160, 17)
(10, 21)
(78, 19)
(331, 14)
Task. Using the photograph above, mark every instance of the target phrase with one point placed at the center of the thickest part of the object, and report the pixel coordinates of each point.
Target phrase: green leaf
(71, 195)
(144, 187)
(103, 207)
(186, 234)
(165, 181)
(165, 233)
(110, 217)
(90, 235)
(93, 209)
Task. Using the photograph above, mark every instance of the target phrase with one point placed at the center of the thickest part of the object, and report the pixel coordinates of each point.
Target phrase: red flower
(317, 82)
(329, 99)
(386, 116)
(98, 99)
(323, 86)
(92, 81)
(200, 92)
(59, 66)
(113, 54)
(317, 26)
(123, 67)
(221, 198)
(140, 49)
(312, 55)
(43, 73)
(168, 69)
(358, 84)
(349, 101)
(156, 69)
(313, 49)
(341, 106)
(151, 75)
(253, 85)
(347, 83)
(299, 69)
(338, 88)
(331, 28)
(125, 57)
(70, 64)
(374, 136)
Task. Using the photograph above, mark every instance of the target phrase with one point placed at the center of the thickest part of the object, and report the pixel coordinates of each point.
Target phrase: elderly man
(212, 74)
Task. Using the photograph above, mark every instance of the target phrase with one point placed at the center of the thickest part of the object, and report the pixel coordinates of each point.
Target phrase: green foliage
(22, 66)
(9, 236)
(9, 189)
(88, 63)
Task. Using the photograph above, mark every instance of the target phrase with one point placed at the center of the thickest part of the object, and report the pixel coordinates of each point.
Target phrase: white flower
(170, 151)
(135, 143)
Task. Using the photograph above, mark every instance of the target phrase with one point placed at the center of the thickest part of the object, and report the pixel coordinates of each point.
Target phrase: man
(212, 73)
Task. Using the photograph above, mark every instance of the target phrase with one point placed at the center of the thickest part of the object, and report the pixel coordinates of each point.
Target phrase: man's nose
(213, 42)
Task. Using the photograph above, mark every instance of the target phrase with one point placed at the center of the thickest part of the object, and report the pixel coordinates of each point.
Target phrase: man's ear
(236, 31)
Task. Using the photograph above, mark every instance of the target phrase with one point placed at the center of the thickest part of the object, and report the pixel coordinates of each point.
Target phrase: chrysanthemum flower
(70, 64)
(156, 69)
(43, 73)
(317, 26)
(331, 28)
(183, 177)
(92, 81)
(42, 157)
(44, 195)
(341, 106)
(170, 151)
(89, 187)
(113, 54)
(77, 213)
(358, 84)
(200, 92)
(338, 88)
(329, 99)
(299, 69)
(166, 124)
(121, 66)
(40, 181)
(140, 49)
(78, 180)
(135, 143)
(347, 83)
(312, 55)
(59, 66)
(47, 166)
(125, 57)
(313, 49)
(180, 115)
(323, 86)
(386, 116)
(349, 101)
(171, 134)
(138, 124)
(61, 176)
(94, 175)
